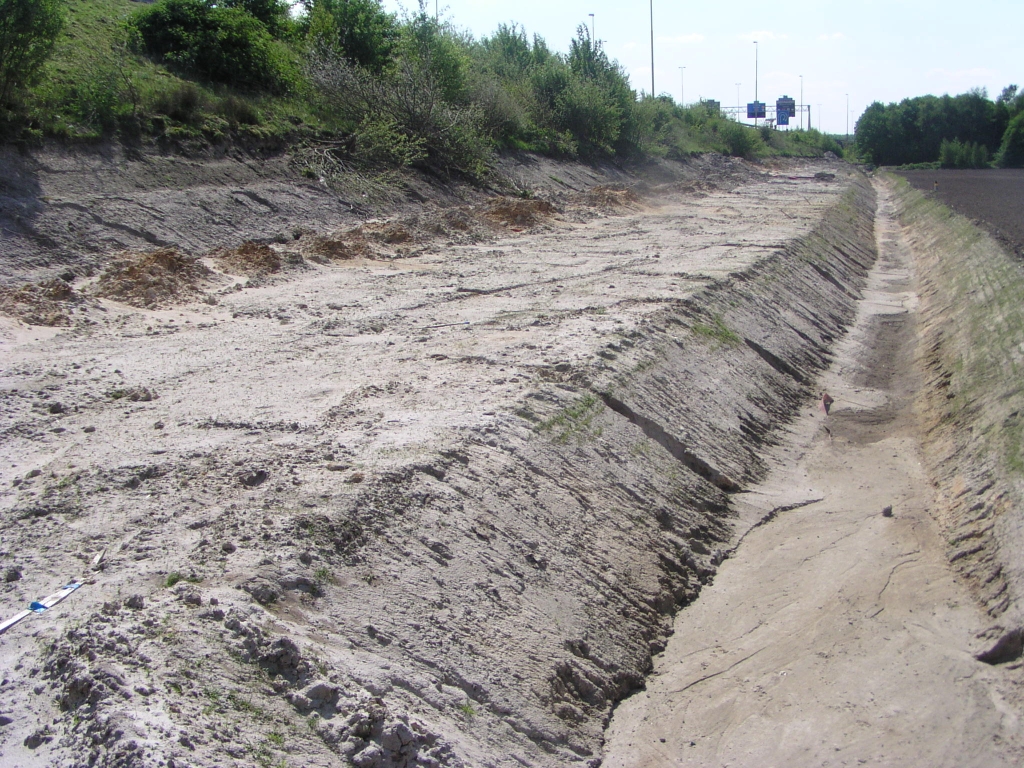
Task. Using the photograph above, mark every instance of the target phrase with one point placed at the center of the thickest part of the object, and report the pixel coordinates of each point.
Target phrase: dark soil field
(993, 197)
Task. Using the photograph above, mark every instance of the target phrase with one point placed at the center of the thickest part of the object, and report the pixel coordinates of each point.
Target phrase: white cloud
(833, 36)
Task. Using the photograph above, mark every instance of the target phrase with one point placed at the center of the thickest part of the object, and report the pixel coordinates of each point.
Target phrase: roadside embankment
(434, 510)
(972, 342)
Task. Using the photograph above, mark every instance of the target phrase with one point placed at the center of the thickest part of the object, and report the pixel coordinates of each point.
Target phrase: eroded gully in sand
(835, 635)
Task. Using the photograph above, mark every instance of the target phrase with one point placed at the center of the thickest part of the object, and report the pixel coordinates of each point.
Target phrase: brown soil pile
(44, 303)
(458, 220)
(251, 259)
(612, 197)
(342, 246)
(519, 213)
(153, 279)
(390, 233)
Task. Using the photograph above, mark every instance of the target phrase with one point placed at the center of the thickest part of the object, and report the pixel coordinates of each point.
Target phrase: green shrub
(28, 31)
(956, 154)
(585, 110)
(649, 126)
(740, 141)
(383, 141)
(273, 14)
(1011, 151)
(406, 101)
(221, 44)
(505, 111)
(440, 54)
(184, 103)
(238, 111)
(359, 30)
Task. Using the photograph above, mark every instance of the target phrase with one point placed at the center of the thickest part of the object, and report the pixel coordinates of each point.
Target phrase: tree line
(965, 131)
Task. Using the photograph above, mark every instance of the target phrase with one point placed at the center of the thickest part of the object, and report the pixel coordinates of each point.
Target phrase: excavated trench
(838, 634)
(462, 546)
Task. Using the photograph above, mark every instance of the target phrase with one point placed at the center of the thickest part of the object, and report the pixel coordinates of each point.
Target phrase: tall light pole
(847, 117)
(819, 117)
(652, 49)
(739, 106)
(756, 49)
(593, 27)
(682, 86)
(801, 102)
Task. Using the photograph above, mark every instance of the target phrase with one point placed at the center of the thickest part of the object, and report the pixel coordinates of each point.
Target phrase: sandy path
(835, 636)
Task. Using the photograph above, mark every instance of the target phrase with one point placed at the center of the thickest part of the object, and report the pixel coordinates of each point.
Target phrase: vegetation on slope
(385, 90)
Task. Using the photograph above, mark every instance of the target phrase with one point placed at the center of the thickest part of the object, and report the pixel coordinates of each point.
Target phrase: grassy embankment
(96, 86)
(972, 331)
(99, 84)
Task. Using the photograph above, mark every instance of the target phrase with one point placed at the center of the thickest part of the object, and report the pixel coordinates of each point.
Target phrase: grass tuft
(717, 331)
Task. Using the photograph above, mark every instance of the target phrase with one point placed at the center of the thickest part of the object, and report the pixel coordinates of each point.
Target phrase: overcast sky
(873, 50)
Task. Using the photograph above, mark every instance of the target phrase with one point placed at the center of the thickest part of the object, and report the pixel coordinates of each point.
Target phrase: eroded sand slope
(431, 510)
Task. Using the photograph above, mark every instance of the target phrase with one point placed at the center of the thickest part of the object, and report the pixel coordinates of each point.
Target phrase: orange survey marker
(826, 402)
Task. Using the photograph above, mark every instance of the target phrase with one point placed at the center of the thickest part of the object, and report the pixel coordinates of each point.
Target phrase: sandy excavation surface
(428, 491)
(837, 635)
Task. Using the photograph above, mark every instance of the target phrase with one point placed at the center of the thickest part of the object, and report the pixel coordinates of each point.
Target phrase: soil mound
(152, 279)
(342, 246)
(390, 233)
(612, 197)
(44, 303)
(250, 259)
(519, 213)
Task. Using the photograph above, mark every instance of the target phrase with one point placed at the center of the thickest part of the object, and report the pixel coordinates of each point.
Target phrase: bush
(359, 30)
(28, 31)
(407, 102)
(956, 154)
(585, 110)
(273, 14)
(222, 44)
(383, 141)
(183, 103)
(238, 111)
(1011, 152)
(740, 141)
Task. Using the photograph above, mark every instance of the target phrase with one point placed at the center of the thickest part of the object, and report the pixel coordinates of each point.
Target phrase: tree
(1011, 153)
(28, 31)
(914, 130)
(360, 30)
(220, 43)
(272, 13)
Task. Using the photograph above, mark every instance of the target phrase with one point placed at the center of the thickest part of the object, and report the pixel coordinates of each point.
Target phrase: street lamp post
(847, 117)
(682, 86)
(756, 49)
(652, 49)
(739, 105)
(593, 27)
(801, 102)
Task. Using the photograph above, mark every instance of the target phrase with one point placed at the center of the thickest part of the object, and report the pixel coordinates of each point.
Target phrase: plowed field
(993, 197)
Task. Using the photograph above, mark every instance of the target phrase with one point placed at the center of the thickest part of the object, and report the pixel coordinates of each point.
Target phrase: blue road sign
(755, 109)
(782, 117)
